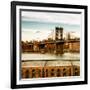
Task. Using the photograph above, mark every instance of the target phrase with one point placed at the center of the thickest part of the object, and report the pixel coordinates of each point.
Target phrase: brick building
(43, 69)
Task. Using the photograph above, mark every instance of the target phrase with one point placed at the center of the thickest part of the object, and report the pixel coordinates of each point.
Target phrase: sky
(41, 25)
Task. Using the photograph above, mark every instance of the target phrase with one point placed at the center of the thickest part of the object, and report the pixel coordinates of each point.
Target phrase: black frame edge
(51, 84)
(86, 44)
(13, 45)
(41, 4)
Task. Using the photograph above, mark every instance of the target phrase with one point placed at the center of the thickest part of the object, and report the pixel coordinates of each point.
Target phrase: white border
(49, 80)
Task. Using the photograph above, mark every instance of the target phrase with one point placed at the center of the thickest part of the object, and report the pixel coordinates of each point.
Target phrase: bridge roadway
(60, 41)
(56, 41)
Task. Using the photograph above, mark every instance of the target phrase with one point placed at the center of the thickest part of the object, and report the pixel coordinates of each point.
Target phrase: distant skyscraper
(68, 36)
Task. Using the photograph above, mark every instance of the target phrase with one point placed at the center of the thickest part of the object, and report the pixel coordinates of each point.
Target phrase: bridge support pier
(59, 40)
(59, 48)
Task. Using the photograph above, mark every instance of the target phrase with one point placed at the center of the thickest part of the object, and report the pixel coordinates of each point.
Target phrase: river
(39, 56)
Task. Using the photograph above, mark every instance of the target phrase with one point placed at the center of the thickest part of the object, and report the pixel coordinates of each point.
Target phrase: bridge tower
(59, 42)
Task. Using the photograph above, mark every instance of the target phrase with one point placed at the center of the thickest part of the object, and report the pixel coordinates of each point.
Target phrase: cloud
(52, 17)
(30, 34)
(43, 31)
